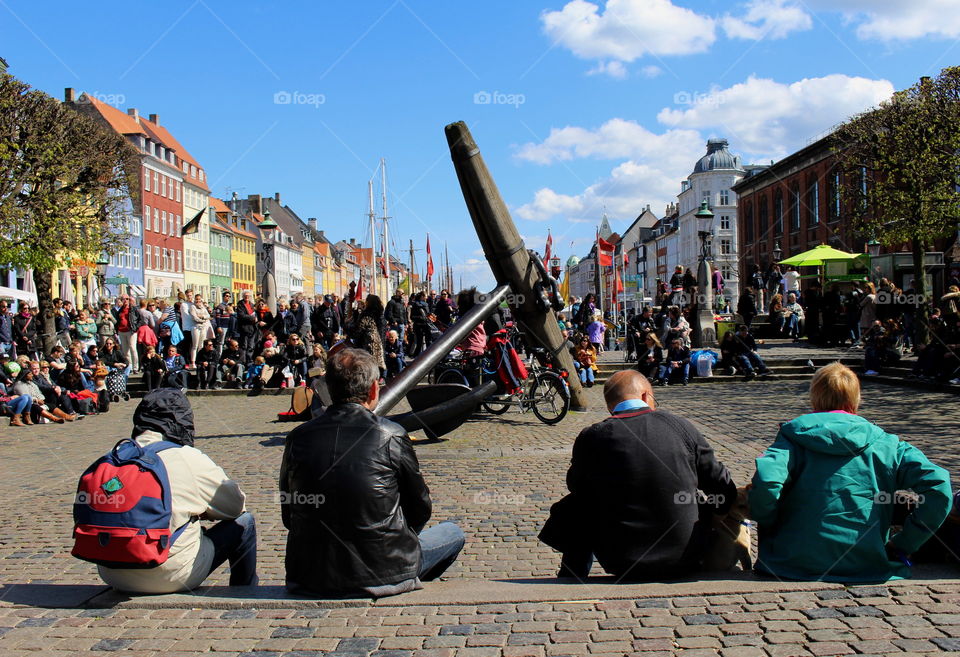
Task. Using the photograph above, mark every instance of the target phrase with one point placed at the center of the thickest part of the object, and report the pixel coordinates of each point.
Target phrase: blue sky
(588, 104)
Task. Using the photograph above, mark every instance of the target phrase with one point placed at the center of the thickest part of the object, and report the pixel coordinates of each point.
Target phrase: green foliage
(64, 181)
(909, 148)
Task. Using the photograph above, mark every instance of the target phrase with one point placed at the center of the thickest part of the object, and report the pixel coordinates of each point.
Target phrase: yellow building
(243, 249)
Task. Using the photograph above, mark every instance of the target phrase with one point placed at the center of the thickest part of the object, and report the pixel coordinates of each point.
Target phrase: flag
(626, 258)
(617, 283)
(192, 226)
(359, 291)
(565, 288)
(383, 265)
(549, 249)
(429, 260)
(605, 252)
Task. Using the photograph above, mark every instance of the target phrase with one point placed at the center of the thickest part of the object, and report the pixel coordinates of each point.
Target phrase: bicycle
(545, 391)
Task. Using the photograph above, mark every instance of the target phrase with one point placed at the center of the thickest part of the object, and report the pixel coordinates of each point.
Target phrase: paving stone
(292, 633)
(704, 619)
(111, 645)
(949, 644)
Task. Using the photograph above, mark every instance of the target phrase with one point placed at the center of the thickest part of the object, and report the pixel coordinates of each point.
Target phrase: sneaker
(955, 382)
(871, 373)
(684, 382)
(750, 376)
(731, 371)
(283, 384)
(302, 384)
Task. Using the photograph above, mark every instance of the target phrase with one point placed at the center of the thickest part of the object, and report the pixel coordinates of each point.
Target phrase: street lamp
(102, 262)
(269, 286)
(873, 248)
(777, 252)
(704, 328)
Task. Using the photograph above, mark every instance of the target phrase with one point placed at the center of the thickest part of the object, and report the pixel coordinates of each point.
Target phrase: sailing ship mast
(386, 234)
(373, 240)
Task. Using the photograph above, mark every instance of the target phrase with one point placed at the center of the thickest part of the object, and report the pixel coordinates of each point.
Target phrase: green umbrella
(817, 255)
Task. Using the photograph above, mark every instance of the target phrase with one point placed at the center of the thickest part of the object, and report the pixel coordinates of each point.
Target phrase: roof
(160, 134)
(219, 224)
(717, 157)
(118, 120)
(818, 150)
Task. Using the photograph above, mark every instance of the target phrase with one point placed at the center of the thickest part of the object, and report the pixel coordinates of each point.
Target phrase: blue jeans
(750, 361)
(668, 369)
(439, 547)
(7, 348)
(236, 541)
(793, 326)
(586, 374)
(20, 404)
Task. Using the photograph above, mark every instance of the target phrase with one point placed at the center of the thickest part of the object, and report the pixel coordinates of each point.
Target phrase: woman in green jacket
(823, 495)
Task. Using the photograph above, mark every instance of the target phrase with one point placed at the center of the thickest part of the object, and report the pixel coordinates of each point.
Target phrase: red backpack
(122, 511)
(511, 371)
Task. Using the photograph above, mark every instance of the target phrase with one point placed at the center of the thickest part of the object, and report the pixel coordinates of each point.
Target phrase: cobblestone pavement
(497, 478)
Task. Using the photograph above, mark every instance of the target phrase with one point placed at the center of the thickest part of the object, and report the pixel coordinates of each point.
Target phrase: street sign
(117, 280)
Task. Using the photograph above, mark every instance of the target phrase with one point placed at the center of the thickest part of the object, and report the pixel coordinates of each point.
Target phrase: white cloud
(626, 30)
(651, 71)
(762, 119)
(615, 139)
(897, 20)
(767, 19)
(614, 69)
(762, 116)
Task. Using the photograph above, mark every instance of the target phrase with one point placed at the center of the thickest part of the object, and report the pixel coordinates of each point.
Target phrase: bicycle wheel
(549, 399)
(497, 404)
(452, 375)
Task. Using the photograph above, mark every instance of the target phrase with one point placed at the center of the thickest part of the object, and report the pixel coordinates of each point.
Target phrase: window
(706, 197)
(813, 203)
(146, 217)
(795, 208)
(778, 214)
(165, 260)
(177, 187)
(147, 259)
(163, 186)
(163, 222)
(136, 259)
(146, 180)
(725, 247)
(835, 196)
(156, 219)
(135, 226)
(179, 227)
(764, 218)
(725, 197)
(201, 175)
(156, 182)
(179, 262)
(193, 171)
(724, 222)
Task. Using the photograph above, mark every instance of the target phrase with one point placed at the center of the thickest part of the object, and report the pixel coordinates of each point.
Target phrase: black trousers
(248, 344)
(207, 374)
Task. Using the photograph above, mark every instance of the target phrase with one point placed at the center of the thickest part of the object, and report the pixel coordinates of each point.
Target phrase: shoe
(684, 382)
(217, 387)
(302, 384)
(730, 371)
(750, 376)
(283, 384)
(26, 418)
(871, 373)
(15, 422)
(954, 382)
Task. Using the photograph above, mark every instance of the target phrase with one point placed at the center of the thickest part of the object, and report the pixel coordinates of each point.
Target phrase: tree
(900, 166)
(64, 181)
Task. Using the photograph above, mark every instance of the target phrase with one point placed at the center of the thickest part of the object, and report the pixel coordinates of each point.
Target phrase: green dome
(573, 261)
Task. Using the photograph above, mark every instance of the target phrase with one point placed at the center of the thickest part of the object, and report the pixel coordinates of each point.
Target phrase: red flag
(549, 250)
(383, 265)
(360, 289)
(605, 250)
(617, 283)
(429, 260)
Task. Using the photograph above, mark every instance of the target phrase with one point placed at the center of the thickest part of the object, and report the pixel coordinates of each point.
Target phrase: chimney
(68, 95)
(155, 118)
(254, 201)
(312, 222)
(132, 111)
(322, 236)
(276, 196)
(353, 242)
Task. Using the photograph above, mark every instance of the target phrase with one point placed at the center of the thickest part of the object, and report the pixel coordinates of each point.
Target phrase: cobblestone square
(497, 477)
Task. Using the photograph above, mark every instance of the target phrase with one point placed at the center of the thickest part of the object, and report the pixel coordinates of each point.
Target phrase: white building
(713, 176)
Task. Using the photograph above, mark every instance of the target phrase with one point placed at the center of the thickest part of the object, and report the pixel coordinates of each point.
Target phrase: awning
(818, 255)
(138, 291)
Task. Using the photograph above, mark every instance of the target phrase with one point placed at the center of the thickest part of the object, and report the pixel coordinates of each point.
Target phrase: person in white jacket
(202, 326)
(200, 490)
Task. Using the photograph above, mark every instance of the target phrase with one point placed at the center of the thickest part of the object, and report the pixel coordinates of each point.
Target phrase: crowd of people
(239, 343)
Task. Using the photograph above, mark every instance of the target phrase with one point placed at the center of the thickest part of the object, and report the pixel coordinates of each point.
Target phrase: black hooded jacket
(166, 411)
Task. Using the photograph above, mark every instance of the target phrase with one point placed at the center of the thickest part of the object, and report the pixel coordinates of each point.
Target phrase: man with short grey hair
(353, 498)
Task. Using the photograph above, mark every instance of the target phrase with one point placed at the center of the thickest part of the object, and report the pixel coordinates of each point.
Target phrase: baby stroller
(116, 384)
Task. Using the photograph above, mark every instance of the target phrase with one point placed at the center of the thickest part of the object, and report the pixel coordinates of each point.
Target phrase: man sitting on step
(634, 480)
(746, 356)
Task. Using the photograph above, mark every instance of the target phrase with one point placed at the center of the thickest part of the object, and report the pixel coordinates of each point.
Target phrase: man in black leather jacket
(353, 498)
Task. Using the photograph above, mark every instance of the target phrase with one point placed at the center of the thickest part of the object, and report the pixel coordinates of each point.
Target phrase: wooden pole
(506, 253)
